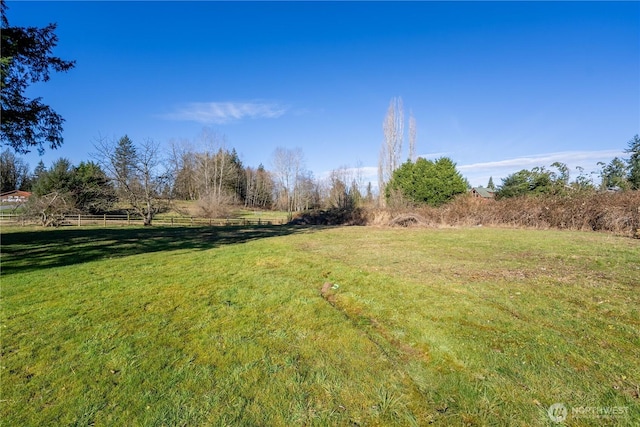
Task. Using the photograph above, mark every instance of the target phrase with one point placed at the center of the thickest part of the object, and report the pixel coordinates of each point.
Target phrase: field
(231, 326)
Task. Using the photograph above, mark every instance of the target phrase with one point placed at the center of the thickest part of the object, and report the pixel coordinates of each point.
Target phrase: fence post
(128, 218)
(171, 220)
(104, 219)
(79, 221)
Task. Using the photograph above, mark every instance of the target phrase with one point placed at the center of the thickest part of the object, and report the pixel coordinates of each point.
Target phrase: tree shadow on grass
(32, 250)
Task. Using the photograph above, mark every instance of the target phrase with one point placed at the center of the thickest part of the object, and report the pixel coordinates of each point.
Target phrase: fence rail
(79, 220)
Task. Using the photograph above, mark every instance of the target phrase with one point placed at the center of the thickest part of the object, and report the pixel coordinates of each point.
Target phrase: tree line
(143, 179)
(617, 175)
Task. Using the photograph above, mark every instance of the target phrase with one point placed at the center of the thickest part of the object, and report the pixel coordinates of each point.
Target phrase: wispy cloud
(479, 173)
(226, 112)
(569, 157)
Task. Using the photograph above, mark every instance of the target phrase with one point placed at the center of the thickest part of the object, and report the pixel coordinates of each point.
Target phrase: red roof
(14, 196)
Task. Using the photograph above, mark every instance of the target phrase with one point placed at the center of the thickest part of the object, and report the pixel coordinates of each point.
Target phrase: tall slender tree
(124, 161)
(391, 149)
(413, 133)
(490, 184)
(288, 167)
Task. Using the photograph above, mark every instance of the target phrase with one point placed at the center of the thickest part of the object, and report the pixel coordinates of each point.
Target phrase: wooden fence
(79, 220)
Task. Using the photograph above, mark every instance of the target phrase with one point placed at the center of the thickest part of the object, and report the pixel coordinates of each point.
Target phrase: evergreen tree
(38, 171)
(25, 59)
(92, 191)
(536, 181)
(424, 181)
(124, 162)
(58, 178)
(634, 162)
(614, 174)
(139, 173)
(491, 185)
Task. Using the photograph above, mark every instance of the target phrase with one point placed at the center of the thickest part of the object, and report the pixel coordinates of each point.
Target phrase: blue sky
(496, 86)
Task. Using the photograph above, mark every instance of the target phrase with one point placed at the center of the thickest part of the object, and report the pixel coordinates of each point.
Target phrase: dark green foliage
(562, 178)
(634, 162)
(85, 187)
(536, 181)
(26, 58)
(124, 163)
(39, 171)
(93, 192)
(58, 178)
(425, 181)
(237, 179)
(491, 185)
(614, 174)
(14, 172)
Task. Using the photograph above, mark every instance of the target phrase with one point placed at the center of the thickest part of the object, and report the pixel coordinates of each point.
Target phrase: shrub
(617, 213)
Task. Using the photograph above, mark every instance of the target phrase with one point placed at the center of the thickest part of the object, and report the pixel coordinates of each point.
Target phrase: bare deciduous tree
(391, 150)
(143, 179)
(52, 208)
(14, 172)
(343, 189)
(258, 188)
(412, 137)
(307, 192)
(183, 170)
(288, 165)
(216, 174)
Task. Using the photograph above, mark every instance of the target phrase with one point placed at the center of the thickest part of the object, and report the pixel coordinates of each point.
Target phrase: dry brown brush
(617, 213)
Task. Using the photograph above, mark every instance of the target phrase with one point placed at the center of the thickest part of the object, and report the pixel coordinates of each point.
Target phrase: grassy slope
(177, 326)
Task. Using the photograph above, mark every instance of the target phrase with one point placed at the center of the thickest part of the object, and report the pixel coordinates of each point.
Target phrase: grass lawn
(227, 326)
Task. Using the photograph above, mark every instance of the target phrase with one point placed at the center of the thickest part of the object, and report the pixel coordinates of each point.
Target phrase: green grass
(262, 214)
(227, 326)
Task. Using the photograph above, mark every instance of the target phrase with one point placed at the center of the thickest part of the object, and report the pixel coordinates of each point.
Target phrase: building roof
(484, 192)
(14, 196)
(16, 193)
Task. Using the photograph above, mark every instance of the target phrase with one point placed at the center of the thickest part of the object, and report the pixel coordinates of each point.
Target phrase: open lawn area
(228, 326)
